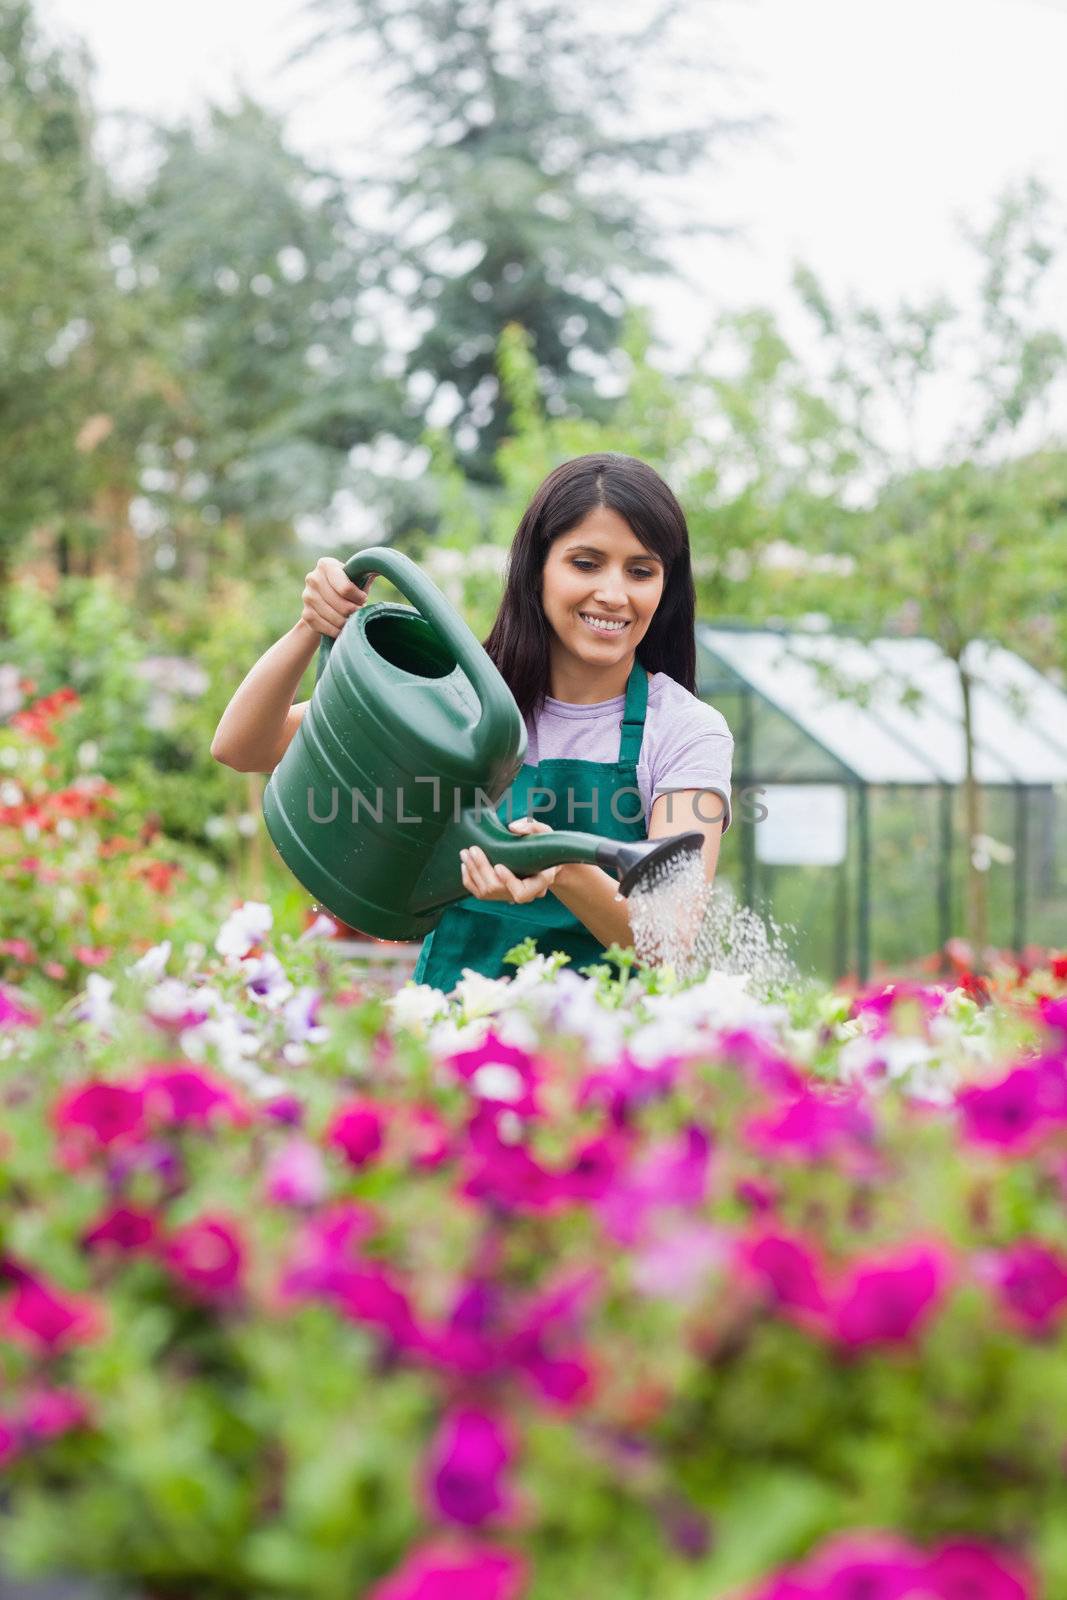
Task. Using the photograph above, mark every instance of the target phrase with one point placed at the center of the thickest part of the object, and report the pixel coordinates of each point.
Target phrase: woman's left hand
(486, 882)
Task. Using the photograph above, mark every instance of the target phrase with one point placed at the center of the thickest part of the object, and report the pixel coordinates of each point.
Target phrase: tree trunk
(976, 916)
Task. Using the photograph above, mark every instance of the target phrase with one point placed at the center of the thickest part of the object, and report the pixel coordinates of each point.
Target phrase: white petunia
(153, 963)
(243, 928)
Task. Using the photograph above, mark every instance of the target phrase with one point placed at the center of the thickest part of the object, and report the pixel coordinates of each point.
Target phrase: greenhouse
(848, 791)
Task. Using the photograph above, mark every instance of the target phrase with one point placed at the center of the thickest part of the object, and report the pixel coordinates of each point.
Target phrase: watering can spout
(442, 881)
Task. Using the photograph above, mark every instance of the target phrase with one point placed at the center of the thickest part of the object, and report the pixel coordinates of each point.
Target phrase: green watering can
(409, 741)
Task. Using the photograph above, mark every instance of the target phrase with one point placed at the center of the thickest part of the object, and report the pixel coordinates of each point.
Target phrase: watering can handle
(428, 600)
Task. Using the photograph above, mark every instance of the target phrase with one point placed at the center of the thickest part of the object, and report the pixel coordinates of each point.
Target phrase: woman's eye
(641, 572)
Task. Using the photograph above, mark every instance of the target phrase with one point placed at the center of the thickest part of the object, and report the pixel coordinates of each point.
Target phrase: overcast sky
(894, 117)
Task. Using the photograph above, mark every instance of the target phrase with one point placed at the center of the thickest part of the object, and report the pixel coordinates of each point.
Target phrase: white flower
(480, 996)
(153, 963)
(244, 928)
(299, 1014)
(415, 1005)
(96, 1007)
(266, 981)
(323, 927)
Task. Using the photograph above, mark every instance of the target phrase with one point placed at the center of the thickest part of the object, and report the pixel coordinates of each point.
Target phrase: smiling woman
(595, 639)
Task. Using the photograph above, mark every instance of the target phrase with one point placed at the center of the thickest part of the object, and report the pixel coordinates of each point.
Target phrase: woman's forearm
(251, 735)
(593, 896)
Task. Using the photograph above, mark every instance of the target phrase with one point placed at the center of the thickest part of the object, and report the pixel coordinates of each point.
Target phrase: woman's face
(600, 569)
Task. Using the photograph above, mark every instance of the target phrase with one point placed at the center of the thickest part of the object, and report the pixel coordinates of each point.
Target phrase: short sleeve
(695, 750)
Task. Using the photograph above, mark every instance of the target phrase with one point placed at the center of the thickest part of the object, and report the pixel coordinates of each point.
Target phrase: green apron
(590, 796)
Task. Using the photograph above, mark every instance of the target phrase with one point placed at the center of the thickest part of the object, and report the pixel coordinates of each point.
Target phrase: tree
(60, 314)
(520, 201)
(250, 278)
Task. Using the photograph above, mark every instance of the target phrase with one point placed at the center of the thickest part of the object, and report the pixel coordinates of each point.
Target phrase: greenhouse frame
(848, 780)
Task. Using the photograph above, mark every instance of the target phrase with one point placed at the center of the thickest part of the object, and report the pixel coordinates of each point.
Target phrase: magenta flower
(46, 1320)
(463, 1572)
(357, 1130)
(816, 1126)
(865, 1566)
(501, 1076)
(178, 1095)
(1031, 1283)
(887, 1299)
(965, 1570)
(1053, 1014)
(592, 1168)
(789, 1271)
(673, 1172)
(9, 1441)
(97, 1116)
(286, 1109)
(507, 1176)
(326, 1250)
(50, 1413)
(764, 1066)
(370, 1293)
(207, 1257)
(125, 1229)
(296, 1174)
(1008, 1115)
(465, 1468)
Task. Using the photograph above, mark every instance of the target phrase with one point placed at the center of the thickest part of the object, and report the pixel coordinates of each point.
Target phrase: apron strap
(633, 713)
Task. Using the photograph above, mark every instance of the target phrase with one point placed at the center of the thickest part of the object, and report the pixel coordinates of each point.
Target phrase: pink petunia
(125, 1229)
(326, 1249)
(442, 1571)
(296, 1174)
(887, 1299)
(865, 1566)
(9, 1441)
(1031, 1284)
(1008, 1114)
(965, 1570)
(673, 1172)
(179, 1095)
(789, 1271)
(465, 1468)
(97, 1116)
(357, 1130)
(207, 1257)
(815, 1126)
(47, 1320)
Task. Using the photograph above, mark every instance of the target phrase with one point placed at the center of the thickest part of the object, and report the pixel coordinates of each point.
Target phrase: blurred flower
(358, 1131)
(244, 928)
(296, 1174)
(122, 1228)
(96, 1007)
(207, 1256)
(187, 1096)
(965, 1570)
(462, 1572)
(13, 1014)
(48, 1413)
(153, 963)
(97, 1115)
(887, 1299)
(465, 1467)
(46, 1319)
(1031, 1284)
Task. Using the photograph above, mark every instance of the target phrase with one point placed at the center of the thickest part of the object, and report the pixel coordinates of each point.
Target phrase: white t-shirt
(686, 743)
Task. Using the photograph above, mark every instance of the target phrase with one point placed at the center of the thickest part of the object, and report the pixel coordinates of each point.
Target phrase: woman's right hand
(330, 597)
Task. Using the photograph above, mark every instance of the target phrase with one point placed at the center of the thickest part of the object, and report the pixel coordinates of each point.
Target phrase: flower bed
(567, 1286)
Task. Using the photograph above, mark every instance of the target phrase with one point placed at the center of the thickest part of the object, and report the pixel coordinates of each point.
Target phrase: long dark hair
(518, 642)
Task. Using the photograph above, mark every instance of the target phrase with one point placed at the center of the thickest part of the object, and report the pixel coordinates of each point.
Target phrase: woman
(595, 639)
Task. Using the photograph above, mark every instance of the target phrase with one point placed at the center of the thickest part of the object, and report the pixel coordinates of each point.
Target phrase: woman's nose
(611, 592)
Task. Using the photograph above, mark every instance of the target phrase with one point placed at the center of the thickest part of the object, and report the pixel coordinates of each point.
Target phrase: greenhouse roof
(890, 710)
